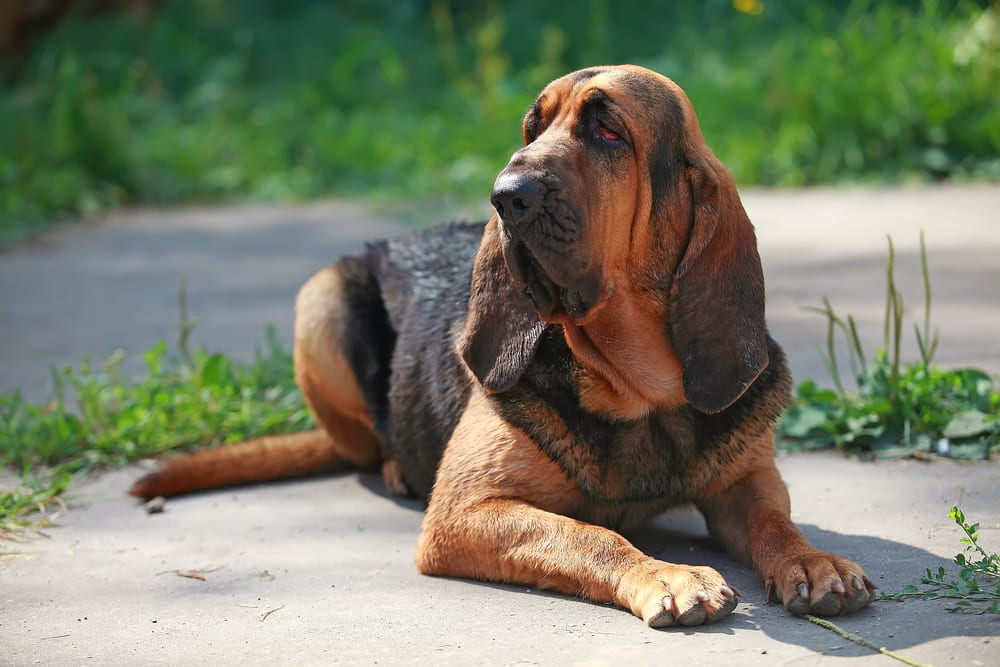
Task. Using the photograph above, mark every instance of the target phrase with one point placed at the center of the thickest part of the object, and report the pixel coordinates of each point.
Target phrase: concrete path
(319, 571)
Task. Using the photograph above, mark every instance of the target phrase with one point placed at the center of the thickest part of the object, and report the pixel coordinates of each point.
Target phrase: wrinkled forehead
(651, 99)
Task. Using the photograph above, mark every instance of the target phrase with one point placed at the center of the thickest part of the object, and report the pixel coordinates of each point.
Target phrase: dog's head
(615, 195)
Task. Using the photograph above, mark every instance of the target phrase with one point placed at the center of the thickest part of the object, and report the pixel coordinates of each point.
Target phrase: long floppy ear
(717, 297)
(502, 327)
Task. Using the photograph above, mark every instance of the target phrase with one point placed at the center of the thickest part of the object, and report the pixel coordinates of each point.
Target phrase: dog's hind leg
(343, 343)
(343, 346)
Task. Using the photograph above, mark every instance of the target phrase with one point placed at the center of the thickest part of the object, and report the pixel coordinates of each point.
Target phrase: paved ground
(319, 571)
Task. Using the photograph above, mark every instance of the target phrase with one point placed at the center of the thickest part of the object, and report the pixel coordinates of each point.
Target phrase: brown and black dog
(595, 354)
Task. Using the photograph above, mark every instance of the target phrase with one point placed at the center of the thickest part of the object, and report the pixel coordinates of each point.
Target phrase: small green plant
(898, 409)
(977, 588)
(186, 400)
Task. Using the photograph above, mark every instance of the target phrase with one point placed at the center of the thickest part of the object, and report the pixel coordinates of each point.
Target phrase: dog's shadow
(680, 536)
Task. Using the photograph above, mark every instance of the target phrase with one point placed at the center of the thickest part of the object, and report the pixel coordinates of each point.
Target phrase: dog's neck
(631, 367)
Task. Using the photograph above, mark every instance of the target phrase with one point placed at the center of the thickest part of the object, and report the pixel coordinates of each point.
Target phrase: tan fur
(633, 367)
(326, 379)
(664, 356)
(251, 461)
(537, 543)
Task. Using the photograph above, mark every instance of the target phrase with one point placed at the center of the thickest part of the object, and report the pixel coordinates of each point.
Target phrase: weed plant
(192, 399)
(977, 588)
(208, 100)
(898, 409)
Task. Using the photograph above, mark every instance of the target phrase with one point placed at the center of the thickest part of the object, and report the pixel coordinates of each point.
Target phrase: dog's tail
(251, 461)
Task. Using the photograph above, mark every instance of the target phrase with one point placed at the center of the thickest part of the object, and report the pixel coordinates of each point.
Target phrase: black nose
(515, 198)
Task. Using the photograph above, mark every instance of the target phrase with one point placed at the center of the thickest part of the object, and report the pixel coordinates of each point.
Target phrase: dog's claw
(693, 616)
(664, 594)
(820, 583)
(664, 616)
(798, 605)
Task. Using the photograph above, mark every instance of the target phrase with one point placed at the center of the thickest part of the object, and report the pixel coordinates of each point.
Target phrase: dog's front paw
(663, 594)
(819, 583)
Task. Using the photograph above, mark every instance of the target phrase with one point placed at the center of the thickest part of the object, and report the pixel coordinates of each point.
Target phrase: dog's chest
(655, 461)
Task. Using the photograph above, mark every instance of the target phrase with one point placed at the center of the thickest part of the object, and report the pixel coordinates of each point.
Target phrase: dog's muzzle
(546, 269)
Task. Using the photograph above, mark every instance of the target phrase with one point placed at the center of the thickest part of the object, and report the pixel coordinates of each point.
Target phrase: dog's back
(402, 304)
(424, 285)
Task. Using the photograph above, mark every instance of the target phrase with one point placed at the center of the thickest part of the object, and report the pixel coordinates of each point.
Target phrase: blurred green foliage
(421, 99)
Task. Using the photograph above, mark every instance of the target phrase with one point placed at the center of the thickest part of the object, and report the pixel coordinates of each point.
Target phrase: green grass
(977, 588)
(898, 409)
(209, 100)
(187, 400)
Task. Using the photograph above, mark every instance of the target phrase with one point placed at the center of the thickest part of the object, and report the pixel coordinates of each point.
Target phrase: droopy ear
(502, 327)
(717, 297)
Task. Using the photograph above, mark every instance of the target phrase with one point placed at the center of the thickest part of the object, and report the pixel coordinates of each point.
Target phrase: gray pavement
(319, 571)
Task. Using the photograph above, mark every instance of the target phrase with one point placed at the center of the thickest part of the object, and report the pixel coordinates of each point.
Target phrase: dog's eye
(606, 134)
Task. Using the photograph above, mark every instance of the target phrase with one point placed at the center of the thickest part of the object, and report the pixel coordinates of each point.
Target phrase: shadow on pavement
(680, 536)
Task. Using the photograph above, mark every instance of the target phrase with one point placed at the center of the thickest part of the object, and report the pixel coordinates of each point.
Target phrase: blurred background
(105, 103)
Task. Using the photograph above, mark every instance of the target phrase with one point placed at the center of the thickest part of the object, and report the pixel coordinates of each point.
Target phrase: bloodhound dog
(594, 354)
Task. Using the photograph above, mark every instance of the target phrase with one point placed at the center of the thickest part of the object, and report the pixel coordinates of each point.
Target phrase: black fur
(366, 336)
(423, 281)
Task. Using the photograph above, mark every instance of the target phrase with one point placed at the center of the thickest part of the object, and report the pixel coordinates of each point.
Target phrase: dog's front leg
(752, 518)
(497, 514)
(512, 542)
